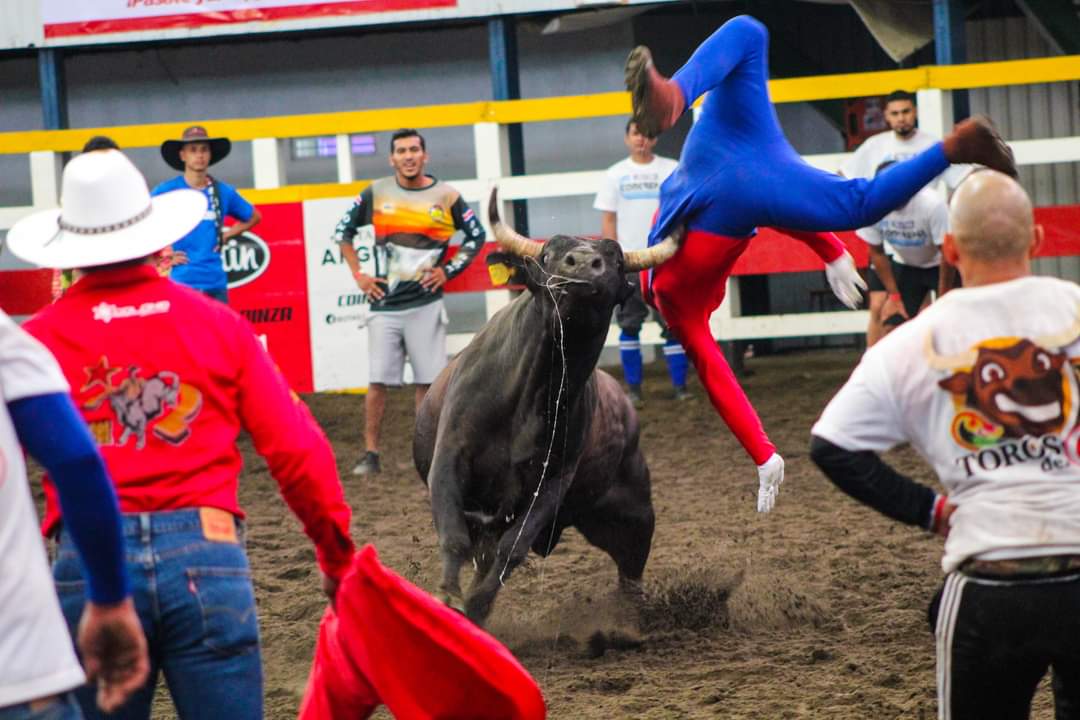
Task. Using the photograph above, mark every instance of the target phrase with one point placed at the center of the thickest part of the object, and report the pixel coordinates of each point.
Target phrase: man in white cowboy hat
(166, 379)
(196, 258)
(983, 384)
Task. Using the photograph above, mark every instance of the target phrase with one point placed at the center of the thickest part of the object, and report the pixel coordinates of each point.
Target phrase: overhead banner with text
(86, 22)
(66, 18)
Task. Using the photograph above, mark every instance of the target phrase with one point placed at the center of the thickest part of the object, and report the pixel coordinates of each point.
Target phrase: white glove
(770, 475)
(845, 280)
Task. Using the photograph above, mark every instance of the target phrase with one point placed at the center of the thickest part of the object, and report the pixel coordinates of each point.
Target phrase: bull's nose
(583, 261)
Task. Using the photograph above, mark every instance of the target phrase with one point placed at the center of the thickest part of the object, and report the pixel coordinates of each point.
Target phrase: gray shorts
(418, 332)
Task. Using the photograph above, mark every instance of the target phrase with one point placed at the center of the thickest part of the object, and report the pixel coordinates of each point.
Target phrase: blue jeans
(197, 606)
(65, 708)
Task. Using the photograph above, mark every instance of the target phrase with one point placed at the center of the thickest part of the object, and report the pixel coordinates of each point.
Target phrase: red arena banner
(268, 286)
(67, 18)
(773, 252)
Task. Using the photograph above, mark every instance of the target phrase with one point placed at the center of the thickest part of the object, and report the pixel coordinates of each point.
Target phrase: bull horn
(509, 239)
(653, 256)
(1061, 339)
(947, 362)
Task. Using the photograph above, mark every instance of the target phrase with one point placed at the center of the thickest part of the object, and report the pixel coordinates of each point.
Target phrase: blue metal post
(950, 47)
(506, 85)
(53, 88)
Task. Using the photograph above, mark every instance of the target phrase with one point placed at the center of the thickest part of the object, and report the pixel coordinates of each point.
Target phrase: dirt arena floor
(817, 610)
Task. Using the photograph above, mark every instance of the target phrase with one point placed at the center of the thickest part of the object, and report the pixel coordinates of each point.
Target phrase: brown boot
(658, 102)
(976, 140)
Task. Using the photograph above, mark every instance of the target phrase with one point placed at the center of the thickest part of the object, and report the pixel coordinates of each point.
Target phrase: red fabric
(826, 245)
(686, 290)
(166, 378)
(391, 642)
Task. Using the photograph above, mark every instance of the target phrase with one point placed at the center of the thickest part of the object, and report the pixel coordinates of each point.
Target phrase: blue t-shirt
(204, 270)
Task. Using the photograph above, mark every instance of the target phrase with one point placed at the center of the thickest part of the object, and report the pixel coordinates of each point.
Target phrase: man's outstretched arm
(110, 636)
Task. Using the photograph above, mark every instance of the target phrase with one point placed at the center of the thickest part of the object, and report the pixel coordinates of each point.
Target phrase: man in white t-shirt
(628, 200)
(38, 667)
(905, 260)
(984, 385)
(903, 140)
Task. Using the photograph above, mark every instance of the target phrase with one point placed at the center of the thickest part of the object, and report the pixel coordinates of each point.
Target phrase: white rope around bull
(551, 288)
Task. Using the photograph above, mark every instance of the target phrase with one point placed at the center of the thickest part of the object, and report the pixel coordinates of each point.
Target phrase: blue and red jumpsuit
(738, 172)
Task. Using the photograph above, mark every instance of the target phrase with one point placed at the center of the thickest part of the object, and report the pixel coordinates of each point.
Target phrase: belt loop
(144, 527)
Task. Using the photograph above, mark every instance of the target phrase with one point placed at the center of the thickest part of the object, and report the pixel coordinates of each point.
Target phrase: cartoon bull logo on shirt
(1018, 387)
(1012, 387)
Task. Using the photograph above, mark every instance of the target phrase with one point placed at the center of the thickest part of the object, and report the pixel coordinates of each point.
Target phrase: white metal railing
(493, 166)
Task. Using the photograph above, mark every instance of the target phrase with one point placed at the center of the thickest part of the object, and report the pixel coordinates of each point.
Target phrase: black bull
(521, 437)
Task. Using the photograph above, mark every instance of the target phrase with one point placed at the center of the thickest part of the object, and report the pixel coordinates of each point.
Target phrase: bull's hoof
(632, 591)
(600, 642)
(477, 608)
(454, 601)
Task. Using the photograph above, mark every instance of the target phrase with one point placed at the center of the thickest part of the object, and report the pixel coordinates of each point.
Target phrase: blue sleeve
(236, 206)
(54, 434)
(162, 187)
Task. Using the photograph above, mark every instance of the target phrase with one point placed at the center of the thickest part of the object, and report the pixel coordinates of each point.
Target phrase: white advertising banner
(338, 310)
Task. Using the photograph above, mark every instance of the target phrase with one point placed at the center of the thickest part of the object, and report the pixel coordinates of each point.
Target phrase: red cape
(390, 642)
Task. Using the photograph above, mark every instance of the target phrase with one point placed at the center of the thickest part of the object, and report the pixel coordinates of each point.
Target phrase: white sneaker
(770, 475)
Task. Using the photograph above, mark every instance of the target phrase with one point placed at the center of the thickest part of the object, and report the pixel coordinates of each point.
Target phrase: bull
(521, 437)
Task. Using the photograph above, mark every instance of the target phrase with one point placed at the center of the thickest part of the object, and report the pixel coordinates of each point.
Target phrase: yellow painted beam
(299, 193)
(1009, 72)
(823, 87)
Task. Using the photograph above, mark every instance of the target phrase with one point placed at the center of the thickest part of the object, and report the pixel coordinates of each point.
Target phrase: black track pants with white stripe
(995, 641)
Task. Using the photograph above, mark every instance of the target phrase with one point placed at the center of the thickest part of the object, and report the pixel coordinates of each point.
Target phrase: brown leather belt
(1022, 567)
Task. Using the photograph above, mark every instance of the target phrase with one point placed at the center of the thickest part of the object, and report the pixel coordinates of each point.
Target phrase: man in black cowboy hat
(196, 257)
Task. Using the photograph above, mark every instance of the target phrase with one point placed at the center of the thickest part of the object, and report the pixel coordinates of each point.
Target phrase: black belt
(1027, 567)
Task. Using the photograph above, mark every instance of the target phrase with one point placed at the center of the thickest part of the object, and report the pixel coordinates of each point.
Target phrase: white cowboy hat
(106, 216)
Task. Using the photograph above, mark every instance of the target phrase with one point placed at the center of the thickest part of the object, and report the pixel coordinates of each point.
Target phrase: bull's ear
(957, 383)
(505, 269)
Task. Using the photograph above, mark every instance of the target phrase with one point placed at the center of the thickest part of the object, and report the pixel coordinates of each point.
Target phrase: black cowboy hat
(170, 149)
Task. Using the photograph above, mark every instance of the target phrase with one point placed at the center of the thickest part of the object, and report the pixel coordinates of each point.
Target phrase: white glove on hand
(770, 475)
(845, 280)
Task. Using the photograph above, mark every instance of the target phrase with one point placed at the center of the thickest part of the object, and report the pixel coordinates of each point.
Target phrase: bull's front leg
(446, 485)
(513, 546)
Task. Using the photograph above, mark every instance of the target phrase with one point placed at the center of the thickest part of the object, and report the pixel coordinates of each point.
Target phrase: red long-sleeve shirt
(166, 378)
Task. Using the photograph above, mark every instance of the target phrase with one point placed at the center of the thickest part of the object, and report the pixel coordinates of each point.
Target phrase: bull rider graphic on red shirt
(138, 402)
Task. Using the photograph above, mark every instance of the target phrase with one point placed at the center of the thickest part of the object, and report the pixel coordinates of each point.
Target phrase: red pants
(686, 290)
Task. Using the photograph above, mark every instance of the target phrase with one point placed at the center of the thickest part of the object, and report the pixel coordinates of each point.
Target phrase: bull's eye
(991, 371)
(570, 260)
(1042, 361)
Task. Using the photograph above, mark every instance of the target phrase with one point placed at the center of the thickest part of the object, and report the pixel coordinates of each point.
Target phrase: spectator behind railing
(628, 199)
(413, 215)
(196, 257)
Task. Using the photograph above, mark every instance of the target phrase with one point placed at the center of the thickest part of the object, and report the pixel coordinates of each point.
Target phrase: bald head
(990, 218)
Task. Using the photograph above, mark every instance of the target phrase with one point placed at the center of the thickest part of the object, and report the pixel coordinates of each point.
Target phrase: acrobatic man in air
(737, 172)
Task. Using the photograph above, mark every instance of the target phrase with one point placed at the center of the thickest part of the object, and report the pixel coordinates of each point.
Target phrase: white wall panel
(1030, 112)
